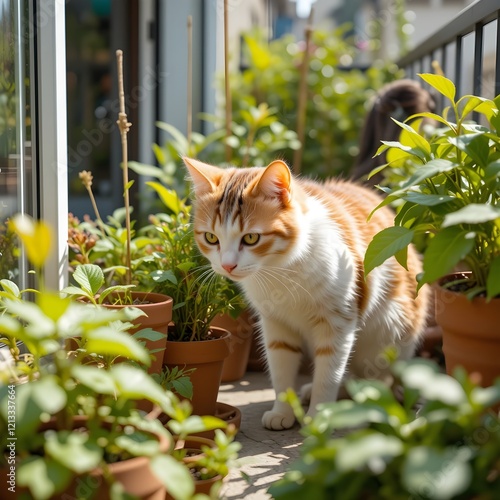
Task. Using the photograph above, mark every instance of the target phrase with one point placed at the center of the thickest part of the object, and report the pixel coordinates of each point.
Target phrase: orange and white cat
(296, 247)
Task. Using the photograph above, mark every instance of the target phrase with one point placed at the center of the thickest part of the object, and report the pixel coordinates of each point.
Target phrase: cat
(296, 248)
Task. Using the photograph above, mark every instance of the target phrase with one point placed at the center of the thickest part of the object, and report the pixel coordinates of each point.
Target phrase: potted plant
(180, 271)
(68, 420)
(72, 428)
(435, 437)
(449, 207)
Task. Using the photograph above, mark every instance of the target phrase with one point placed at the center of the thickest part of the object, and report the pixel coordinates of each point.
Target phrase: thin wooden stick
(190, 81)
(124, 126)
(229, 112)
(301, 106)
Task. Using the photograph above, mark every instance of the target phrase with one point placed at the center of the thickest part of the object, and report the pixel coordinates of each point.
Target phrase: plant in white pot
(450, 207)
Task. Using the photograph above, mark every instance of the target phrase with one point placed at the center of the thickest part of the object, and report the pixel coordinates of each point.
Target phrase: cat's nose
(229, 267)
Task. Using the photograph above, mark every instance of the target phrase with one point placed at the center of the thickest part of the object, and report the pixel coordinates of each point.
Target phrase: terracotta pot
(241, 328)
(193, 446)
(134, 474)
(158, 308)
(207, 356)
(471, 333)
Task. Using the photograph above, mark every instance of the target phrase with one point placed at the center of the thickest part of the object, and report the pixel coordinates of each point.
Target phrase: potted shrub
(437, 439)
(449, 207)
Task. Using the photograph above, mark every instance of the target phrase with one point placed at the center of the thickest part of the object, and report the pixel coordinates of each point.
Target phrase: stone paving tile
(265, 455)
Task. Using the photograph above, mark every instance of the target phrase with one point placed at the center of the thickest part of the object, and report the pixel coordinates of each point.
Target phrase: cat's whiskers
(281, 275)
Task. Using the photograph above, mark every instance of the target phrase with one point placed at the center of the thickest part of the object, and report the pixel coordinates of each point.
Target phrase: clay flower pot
(158, 308)
(207, 356)
(242, 330)
(471, 333)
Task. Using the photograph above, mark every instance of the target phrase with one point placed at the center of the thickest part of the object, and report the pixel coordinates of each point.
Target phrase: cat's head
(245, 218)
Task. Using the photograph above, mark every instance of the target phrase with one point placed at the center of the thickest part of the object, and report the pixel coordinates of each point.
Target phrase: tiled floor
(265, 455)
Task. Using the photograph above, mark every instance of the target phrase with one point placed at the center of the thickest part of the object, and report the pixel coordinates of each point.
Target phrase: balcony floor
(265, 455)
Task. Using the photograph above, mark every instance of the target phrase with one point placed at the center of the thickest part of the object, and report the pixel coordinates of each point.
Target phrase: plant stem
(301, 107)
(124, 126)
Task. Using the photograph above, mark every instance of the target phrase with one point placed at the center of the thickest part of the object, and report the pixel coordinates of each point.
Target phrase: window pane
(16, 183)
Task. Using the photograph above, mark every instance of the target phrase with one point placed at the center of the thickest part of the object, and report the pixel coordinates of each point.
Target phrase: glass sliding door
(17, 194)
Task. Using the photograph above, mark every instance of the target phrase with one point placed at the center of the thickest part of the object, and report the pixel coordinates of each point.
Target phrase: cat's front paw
(278, 420)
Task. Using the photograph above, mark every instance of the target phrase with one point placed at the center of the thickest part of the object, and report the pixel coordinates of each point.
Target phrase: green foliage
(103, 244)
(9, 253)
(435, 440)
(447, 189)
(90, 277)
(257, 138)
(337, 94)
(90, 405)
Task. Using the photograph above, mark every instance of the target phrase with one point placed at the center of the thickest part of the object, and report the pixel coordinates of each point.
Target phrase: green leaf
(95, 378)
(128, 185)
(134, 383)
(139, 444)
(360, 450)
(414, 138)
(346, 414)
(181, 142)
(148, 334)
(426, 171)
(427, 200)
(472, 214)
(436, 474)
(441, 84)
(49, 395)
(184, 387)
(11, 288)
(471, 103)
(432, 385)
(493, 279)
(111, 342)
(474, 145)
(174, 476)
(445, 251)
(159, 276)
(73, 450)
(53, 305)
(169, 197)
(90, 277)
(492, 171)
(385, 245)
(146, 170)
(43, 477)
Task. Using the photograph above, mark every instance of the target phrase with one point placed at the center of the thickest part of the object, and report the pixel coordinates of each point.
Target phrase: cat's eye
(211, 238)
(251, 238)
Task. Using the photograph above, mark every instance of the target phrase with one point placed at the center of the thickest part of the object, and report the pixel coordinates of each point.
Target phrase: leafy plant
(338, 94)
(177, 380)
(257, 137)
(435, 440)
(91, 407)
(90, 277)
(449, 206)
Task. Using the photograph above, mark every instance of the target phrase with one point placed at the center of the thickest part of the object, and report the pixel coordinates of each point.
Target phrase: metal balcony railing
(467, 48)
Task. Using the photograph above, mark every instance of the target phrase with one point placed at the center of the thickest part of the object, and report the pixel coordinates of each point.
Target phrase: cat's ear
(275, 182)
(205, 177)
